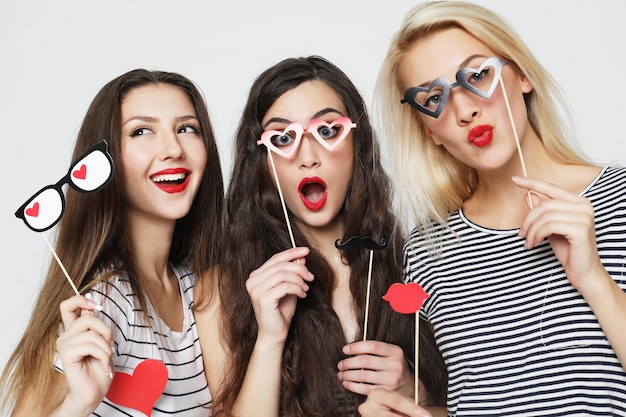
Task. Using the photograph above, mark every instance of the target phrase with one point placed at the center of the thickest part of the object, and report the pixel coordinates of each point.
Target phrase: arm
(383, 403)
(208, 323)
(274, 289)
(567, 220)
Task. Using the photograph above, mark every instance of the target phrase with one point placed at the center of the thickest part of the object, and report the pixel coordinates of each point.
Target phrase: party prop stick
(367, 296)
(519, 148)
(61, 265)
(356, 242)
(407, 299)
(282, 200)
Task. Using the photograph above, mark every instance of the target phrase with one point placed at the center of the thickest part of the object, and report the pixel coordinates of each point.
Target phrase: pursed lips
(480, 135)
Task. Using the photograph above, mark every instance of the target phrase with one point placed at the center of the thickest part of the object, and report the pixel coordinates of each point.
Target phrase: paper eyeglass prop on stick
(408, 299)
(89, 173)
(481, 81)
(357, 242)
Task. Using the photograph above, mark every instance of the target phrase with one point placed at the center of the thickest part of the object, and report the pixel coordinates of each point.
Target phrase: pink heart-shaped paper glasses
(286, 142)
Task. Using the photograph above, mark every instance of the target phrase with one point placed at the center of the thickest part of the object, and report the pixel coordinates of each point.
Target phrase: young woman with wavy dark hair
(286, 333)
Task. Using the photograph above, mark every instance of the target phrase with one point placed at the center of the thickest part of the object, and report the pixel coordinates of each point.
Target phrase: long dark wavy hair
(93, 231)
(256, 230)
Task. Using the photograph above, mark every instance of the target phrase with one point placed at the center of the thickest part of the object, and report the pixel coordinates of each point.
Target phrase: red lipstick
(313, 192)
(171, 180)
(480, 135)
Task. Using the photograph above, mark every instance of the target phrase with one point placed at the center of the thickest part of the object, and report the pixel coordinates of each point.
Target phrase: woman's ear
(432, 136)
(525, 83)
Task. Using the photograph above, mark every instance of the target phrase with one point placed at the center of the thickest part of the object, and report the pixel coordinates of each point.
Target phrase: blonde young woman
(526, 273)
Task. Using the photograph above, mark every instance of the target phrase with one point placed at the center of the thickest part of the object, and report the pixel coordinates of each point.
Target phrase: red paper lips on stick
(406, 298)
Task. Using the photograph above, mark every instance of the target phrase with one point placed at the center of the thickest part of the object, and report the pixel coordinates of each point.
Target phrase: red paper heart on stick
(406, 298)
(33, 211)
(142, 389)
(80, 173)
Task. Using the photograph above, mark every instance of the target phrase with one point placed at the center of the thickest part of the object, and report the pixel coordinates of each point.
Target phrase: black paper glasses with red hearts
(87, 174)
(481, 81)
(286, 142)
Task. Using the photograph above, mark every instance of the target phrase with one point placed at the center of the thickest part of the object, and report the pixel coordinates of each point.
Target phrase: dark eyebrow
(149, 119)
(276, 120)
(315, 116)
(462, 65)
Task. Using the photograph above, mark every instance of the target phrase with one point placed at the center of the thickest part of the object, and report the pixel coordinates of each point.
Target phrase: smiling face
(315, 179)
(163, 152)
(474, 129)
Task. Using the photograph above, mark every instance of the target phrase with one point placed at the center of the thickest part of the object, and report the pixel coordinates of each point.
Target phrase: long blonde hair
(431, 183)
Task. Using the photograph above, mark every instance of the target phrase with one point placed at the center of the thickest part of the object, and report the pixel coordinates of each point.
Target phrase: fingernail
(110, 373)
(92, 303)
(516, 178)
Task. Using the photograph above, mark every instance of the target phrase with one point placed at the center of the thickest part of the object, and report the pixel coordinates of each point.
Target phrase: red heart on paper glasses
(141, 390)
(286, 142)
(80, 173)
(33, 211)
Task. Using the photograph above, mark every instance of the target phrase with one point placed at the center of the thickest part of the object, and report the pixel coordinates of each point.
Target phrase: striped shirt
(517, 338)
(186, 393)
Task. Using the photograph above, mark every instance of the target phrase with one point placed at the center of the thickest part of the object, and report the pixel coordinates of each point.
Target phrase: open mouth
(170, 179)
(171, 182)
(313, 193)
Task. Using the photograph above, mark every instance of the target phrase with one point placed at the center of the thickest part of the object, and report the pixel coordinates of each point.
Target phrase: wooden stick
(282, 199)
(61, 265)
(417, 345)
(519, 148)
(367, 300)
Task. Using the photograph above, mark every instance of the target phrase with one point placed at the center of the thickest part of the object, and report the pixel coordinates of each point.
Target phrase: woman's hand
(85, 351)
(567, 220)
(384, 403)
(373, 364)
(274, 289)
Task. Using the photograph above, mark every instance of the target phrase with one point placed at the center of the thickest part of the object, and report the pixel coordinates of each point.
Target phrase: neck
(498, 203)
(151, 243)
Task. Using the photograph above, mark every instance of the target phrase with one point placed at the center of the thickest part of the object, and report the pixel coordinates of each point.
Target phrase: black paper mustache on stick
(357, 242)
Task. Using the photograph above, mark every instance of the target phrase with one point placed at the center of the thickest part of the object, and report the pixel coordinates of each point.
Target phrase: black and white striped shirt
(518, 339)
(186, 393)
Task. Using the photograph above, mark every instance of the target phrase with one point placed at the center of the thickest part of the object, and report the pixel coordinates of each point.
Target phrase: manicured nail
(92, 303)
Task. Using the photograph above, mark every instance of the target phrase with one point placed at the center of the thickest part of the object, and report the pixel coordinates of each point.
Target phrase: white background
(56, 55)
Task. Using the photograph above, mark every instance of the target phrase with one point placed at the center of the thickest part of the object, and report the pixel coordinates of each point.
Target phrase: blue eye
(328, 132)
(475, 78)
(282, 140)
(432, 101)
